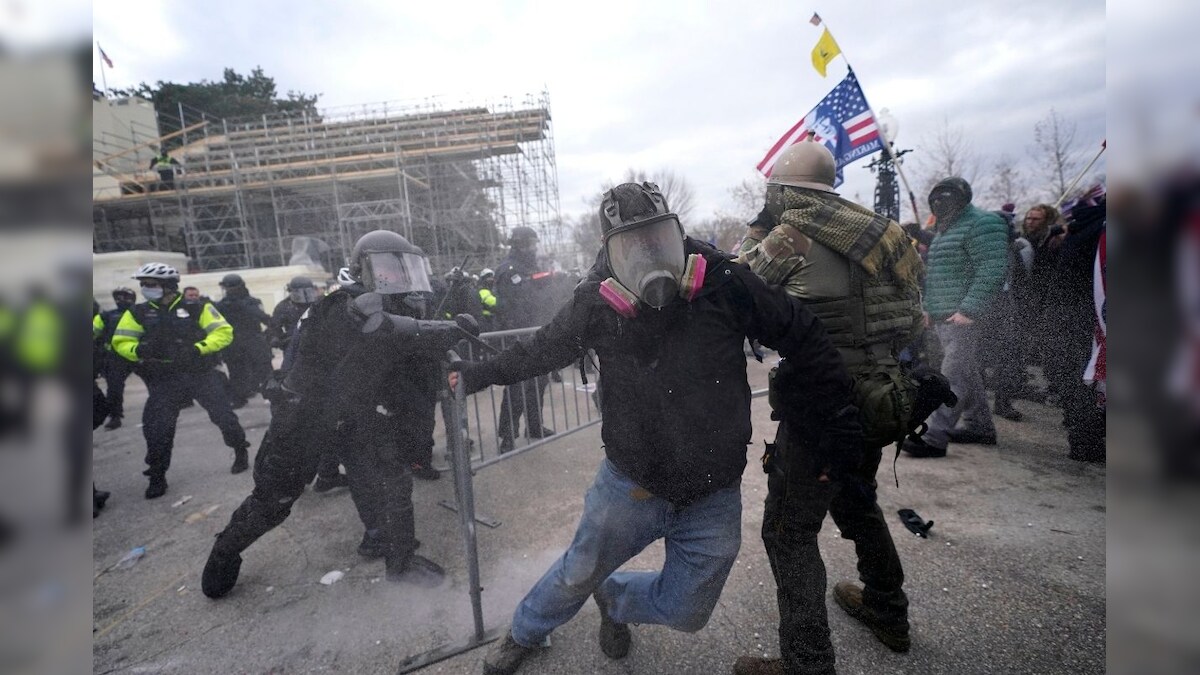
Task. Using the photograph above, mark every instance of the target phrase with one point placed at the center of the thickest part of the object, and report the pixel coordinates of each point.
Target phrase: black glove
(149, 348)
(185, 353)
(839, 448)
(467, 374)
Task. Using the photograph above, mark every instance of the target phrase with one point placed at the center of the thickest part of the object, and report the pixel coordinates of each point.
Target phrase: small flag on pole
(842, 121)
(826, 50)
(103, 56)
(815, 20)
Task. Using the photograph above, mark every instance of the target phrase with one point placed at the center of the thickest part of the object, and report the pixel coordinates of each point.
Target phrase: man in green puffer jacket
(965, 270)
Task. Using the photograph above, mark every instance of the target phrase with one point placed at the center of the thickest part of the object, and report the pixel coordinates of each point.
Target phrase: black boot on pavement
(892, 632)
(241, 459)
(157, 486)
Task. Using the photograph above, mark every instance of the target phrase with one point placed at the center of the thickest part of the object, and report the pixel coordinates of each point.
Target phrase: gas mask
(648, 261)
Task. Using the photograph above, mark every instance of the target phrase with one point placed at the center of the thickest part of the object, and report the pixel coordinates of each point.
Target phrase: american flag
(104, 56)
(842, 121)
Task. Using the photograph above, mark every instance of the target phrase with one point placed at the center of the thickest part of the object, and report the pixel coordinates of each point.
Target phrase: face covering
(945, 204)
(153, 294)
(649, 267)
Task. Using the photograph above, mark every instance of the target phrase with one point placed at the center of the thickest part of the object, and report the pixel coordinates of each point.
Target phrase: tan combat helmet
(807, 164)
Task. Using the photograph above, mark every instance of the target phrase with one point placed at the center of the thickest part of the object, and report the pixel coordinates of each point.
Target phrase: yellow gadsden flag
(826, 50)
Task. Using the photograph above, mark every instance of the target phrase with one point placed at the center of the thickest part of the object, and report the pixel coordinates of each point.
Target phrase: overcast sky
(701, 88)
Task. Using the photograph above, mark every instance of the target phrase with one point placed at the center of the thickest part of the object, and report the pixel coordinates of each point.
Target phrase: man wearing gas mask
(524, 298)
(966, 266)
(857, 271)
(352, 346)
(249, 357)
(668, 316)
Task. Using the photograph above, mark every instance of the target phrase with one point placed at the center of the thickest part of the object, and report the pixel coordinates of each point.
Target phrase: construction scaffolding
(252, 192)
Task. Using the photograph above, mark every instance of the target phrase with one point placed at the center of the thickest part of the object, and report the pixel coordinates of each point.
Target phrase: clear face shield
(303, 296)
(393, 273)
(648, 258)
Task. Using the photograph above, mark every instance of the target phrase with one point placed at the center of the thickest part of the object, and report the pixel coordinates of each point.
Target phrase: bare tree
(1008, 183)
(1055, 151)
(723, 231)
(748, 197)
(675, 189)
(947, 153)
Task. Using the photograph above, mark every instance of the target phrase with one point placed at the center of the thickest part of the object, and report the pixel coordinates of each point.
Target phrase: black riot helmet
(124, 296)
(302, 291)
(523, 237)
(385, 262)
(234, 286)
(643, 242)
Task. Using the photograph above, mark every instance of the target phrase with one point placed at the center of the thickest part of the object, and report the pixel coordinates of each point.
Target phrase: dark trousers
(330, 462)
(795, 509)
(287, 461)
(167, 395)
(523, 398)
(1001, 349)
(249, 366)
(1066, 358)
(116, 371)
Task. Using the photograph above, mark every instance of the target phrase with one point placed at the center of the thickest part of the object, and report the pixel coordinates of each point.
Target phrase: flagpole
(887, 143)
(1063, 196)
(103, 76)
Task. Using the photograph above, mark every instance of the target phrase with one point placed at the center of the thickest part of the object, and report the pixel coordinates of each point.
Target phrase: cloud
(701, 89)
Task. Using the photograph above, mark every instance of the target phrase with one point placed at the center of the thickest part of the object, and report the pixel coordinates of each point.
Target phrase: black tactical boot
(114, 422)
(541, 432)
(614, 637)
(371, 546)
(1007, 411)
(972, 436)
(157, 487)
(919, 448)
(241, 459)
(220, 572)
(327, 483)
(505, 656)
(891, 631)
(416, 570)
(99, 498)
(757, 665)
(506, 445)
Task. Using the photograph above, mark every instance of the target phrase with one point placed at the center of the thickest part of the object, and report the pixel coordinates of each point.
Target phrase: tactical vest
(179, 325)
(870, 325)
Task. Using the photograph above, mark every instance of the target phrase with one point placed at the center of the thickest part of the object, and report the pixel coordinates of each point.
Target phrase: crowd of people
(882, 330)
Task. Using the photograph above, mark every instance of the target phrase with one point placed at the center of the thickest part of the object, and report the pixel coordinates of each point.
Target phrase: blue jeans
(619, 520)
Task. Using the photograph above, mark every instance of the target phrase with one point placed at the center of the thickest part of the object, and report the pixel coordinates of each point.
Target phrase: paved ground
(1012, 579)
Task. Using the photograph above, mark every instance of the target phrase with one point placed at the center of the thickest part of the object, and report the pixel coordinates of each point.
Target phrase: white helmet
(158, 271)
(486, 272)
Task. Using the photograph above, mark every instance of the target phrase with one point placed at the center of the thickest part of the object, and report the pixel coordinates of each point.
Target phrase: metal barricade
(564, 401)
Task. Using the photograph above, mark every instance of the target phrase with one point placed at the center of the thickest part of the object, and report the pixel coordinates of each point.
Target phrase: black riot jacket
(676, 402)
(247, 317)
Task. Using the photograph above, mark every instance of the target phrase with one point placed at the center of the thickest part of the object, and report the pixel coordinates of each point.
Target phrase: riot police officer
(302, 293)
(524, 297)
(352, 347)
(248, 357)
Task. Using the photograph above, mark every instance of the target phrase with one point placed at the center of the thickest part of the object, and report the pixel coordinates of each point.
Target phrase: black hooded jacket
(676, 402)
